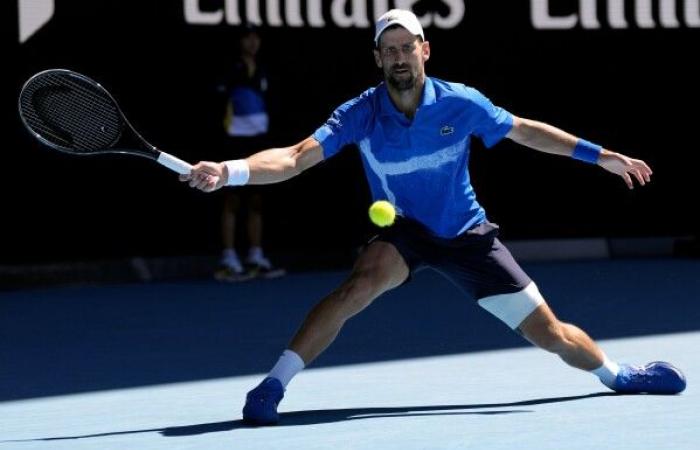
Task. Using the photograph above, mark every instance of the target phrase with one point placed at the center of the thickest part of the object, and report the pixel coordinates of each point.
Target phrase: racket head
(72, 113)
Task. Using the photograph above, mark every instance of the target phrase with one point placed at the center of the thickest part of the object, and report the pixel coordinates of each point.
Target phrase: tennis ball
(382, 213)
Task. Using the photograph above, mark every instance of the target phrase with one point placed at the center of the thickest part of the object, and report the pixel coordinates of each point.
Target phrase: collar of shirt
(388, 108)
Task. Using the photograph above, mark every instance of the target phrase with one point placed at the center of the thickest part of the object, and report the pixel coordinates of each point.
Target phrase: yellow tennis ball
(382, 213)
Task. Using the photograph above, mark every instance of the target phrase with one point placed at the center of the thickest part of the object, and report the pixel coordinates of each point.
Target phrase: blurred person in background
(246, 124)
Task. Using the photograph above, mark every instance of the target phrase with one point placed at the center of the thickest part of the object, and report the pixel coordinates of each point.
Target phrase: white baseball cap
(401, 17)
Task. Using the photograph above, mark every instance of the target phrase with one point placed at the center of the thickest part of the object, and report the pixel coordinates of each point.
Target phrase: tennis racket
(69, 112)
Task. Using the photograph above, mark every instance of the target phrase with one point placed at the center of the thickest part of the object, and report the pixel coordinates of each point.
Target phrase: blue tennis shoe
(654, 378)
(261, 403)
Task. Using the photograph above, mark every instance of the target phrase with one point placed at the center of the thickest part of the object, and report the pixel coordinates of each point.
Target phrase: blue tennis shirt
(420, 165)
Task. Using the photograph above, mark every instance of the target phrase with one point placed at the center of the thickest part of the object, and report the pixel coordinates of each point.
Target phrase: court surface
(167, 365)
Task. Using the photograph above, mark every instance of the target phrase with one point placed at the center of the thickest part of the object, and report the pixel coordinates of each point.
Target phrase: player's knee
(383, 265)
(374, 273)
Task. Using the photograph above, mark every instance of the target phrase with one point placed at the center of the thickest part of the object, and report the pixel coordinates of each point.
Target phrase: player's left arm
(549, 139)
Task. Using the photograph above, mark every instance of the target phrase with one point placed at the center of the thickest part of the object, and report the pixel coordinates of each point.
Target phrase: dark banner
(619, 73)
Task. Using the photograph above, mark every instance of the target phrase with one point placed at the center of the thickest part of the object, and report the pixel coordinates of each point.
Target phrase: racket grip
(174, 164)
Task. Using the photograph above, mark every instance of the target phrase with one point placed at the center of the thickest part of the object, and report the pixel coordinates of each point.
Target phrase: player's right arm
(348, 124)
(279, 164)
(265, 167)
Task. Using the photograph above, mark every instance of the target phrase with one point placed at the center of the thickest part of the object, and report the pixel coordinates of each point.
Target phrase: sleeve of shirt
(491, 123)
(346, 125)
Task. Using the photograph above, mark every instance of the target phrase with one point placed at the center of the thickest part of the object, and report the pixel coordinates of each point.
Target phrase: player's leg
(230, 207)
(257, 263)
(231, 266)
(527, 312)
(255, 220)
(484, 267)
(568, 341)
(578, 350)
(379, 268)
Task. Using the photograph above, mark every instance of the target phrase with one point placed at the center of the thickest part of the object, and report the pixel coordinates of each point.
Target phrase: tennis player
(414, 135)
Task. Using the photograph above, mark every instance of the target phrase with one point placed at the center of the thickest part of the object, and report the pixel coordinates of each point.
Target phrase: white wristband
(238, 172)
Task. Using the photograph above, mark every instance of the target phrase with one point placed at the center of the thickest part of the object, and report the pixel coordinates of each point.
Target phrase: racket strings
(50, 107)
(88, 99)
(79, 118)
(58, 119)
(78, 112)
(70, 112)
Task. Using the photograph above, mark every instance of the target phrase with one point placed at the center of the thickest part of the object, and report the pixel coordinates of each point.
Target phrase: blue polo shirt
(420, 165)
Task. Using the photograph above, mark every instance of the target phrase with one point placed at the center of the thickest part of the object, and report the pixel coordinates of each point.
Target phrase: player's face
(402, 57)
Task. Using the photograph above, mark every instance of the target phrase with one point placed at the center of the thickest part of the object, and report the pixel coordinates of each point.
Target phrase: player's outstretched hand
(625, 167)
(206, 176)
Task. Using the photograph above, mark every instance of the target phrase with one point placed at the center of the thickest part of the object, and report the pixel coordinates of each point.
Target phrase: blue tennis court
(302, 115)
(167, 365)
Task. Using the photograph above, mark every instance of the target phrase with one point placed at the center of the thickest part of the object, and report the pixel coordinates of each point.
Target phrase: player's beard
(401, 82)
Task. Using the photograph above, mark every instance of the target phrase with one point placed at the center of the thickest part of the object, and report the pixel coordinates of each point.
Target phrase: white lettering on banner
(252, 8)
(194, 15)
(33, 14)
(692, 14)
(406, 4)
(539, 12)
(293, 12)
(344, 13)
(273, 14)
(669, 16)
(616, 13)
(587, 16)
(643, 14)
(454, 18)
(357, 17)
(232, 15)
(315, 14)
(380, 7)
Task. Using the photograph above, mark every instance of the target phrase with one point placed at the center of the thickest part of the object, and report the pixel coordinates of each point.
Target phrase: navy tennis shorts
(475, 261)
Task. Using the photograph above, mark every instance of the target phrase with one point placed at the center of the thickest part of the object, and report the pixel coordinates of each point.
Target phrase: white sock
(287, 366)
(607, 372)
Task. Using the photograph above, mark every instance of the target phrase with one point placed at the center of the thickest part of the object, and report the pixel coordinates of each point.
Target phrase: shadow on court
(81, 339)
(325, 416)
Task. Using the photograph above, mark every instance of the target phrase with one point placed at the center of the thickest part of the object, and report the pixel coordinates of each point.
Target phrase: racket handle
(174, 164)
